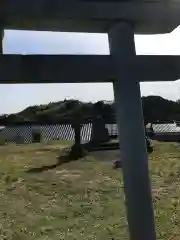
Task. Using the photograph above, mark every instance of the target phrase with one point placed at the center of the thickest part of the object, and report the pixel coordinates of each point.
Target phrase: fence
(49, 132)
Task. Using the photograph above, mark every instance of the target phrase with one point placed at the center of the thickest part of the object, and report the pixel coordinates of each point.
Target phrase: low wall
(167, 137)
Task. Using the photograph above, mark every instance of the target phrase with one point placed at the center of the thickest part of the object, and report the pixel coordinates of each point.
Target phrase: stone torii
(121, 20)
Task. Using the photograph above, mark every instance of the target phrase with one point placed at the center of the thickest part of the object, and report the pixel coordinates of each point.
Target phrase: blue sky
(14, 98)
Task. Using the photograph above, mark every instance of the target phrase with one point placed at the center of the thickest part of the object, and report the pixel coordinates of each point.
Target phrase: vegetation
(154, 107)
(45, 197)
(157, 108)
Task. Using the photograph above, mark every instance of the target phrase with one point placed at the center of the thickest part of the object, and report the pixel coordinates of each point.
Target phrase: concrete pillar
(3, 7)
(1, 39)
(131, 134)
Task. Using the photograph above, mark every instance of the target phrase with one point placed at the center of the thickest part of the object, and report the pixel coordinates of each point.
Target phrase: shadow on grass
(60, 161)
(66, 156)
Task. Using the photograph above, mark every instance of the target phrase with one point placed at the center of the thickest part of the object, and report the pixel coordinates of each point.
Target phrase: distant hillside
(157, 108)
(154, 108)
(58, 112)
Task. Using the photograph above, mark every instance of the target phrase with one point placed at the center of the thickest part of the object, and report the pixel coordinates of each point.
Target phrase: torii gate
(120, 19)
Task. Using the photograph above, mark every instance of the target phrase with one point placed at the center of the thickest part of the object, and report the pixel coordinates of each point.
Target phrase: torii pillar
(1, 39)
(131, 134)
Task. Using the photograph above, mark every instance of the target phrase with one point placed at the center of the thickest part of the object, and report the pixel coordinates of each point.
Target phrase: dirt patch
(69, 174)
(108, 155)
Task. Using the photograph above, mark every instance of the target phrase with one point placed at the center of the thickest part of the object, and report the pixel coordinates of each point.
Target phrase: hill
(154, 108)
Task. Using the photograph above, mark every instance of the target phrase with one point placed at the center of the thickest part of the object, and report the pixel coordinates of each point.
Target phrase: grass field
(82, 199)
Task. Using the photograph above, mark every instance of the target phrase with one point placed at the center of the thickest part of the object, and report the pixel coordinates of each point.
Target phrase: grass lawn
(82, 199)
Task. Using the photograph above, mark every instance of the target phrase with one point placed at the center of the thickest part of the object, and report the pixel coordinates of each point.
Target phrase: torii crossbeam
(83, 68)
(120, 19)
